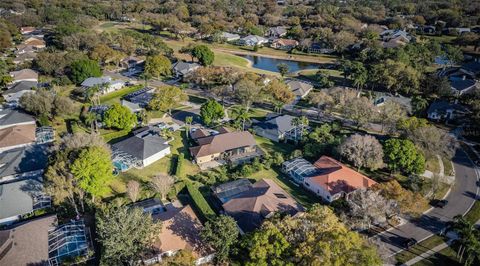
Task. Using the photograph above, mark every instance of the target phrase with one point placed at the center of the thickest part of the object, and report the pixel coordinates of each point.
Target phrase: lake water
(270, 64)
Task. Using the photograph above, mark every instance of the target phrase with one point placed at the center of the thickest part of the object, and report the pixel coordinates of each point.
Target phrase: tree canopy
(166, 98)
(119, 117)
(158, 66)
(83, 69)
(211, 111)
(402, 155)
(203, 54)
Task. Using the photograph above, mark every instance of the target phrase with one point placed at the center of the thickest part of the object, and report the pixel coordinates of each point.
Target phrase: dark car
(409, 242)
(439, 203)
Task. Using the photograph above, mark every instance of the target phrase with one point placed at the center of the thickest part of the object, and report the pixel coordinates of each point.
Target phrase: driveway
(460, 200)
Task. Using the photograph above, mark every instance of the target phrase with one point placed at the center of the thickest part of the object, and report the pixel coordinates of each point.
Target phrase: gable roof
(34, 42)
(23, 160)
(17, 135)
(184, 67)
(299, 88)
(278, 30)
(254, 39)
(286, 42)
(199, 133)
(134, 107)
(335, 177)
(222, 142)
(230, 36)
(27, 242)
(142, 145)
(21, 86)
(252, 206)
(24, 74)
(10, 117)
(17, 198)
(277, 125)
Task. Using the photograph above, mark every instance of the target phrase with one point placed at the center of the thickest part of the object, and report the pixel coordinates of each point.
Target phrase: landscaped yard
(254, 113)
(418, 249)
(114, 97)
(165, 165)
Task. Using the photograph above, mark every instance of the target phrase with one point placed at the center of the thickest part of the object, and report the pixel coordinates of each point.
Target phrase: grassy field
(254, 113)
(432, 164)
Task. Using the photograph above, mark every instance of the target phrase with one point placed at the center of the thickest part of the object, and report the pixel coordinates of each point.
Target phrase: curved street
(461, 198)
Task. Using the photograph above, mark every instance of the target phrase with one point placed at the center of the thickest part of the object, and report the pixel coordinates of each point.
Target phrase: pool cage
(68, 241)
(123, 161)
(298, 169)
(44, 135)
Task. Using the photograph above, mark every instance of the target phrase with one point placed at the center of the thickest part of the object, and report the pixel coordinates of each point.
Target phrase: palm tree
(278, 106)
(299, 122)
(469, 239)
(90, 119)
(241, 115)
(188, 123)
(295, 124)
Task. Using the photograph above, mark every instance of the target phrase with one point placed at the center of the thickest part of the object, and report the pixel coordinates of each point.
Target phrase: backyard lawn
(114, 97)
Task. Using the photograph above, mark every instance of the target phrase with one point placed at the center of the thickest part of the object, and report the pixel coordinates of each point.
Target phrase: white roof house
(229, 36)
(252, 40)
(105, 84)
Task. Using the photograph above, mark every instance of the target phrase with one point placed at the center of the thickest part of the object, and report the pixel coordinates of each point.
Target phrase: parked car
(409, 243)
(439, 203)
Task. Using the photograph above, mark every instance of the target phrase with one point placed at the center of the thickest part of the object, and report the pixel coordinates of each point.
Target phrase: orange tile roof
(336, 177)
(17, 135)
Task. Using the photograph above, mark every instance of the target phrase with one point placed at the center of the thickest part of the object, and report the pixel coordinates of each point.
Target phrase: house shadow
(187, 228)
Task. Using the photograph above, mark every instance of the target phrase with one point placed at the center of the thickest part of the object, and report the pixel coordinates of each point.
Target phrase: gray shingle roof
(462, 84)
(22, 160)
(299, 88)
(93, 81)
(277, 125)
(10, 117)
(16, 198)
(443, 106)
(21, 86)
(142, 145)
(184, 67)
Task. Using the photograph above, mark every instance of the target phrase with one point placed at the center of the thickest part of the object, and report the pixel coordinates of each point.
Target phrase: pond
(270, 64)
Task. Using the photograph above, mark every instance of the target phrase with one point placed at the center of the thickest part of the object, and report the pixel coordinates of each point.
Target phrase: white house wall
(156, 157)
(317, 189)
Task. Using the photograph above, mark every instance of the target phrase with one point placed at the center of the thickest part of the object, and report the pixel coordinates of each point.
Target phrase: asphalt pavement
(460, 200)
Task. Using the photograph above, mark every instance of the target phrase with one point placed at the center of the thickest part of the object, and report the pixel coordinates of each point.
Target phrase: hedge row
(179, 169)
(200, 202)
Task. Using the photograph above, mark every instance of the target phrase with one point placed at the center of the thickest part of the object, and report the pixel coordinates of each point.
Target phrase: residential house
(462, 85)
(224, 192)
(35, 42)
(27, 243)
(133, 107)
(12, 117)
(181, 68)
(141, 97)
(320, 48)
(403, 101)
(19, 197)
(276, 32)
(69, 240)
(23, 162)
(24, 75)
(229, 37)
(24, 57)
(299, 88)
(261, 200)
(17, 136)
(234, 147)
(131, 62)
(27, 30)
(180, 231)
(13, 93)
(284, 44)
(395, 38)
(23, 48)
(252, 40)
(105, 84)
(278, 128)
(327, 177)
(443, 110)
(146, 146)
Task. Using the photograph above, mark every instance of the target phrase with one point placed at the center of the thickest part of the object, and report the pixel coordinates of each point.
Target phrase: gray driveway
(461, 198)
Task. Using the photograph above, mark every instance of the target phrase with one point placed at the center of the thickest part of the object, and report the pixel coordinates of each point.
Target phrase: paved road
(460, 199)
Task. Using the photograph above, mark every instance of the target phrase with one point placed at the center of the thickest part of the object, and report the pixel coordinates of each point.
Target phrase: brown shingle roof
(180, 230)
(24, 74)
(27, 243)
(222, 142)
(336, 177)
(17, 135)
(250, 207)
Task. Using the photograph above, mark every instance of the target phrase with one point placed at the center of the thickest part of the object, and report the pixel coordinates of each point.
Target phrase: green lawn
(432, 164)
(270, 146)
(447, 164)
(446, 257)
(418, 249)
(254, 113)
(114, 97)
